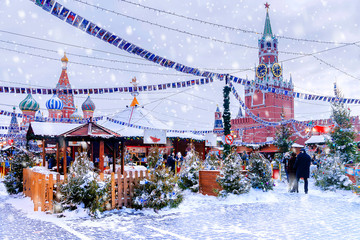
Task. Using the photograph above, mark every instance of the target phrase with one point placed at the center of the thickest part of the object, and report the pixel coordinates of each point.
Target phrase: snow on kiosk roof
(48, 129)
(317, 139)
(91, 130)
(140, 117)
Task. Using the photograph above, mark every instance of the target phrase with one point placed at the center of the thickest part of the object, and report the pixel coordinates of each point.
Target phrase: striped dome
(76, 114)
(88, 105)
(29, 104)
(54, 103)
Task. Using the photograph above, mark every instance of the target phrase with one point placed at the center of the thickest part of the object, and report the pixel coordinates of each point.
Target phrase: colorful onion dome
(64, 58)
(38, 114)
(88, 105)
(29, 104)
(76, 114)
(54, 103)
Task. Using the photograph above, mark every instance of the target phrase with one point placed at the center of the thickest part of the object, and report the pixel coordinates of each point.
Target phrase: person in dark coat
(291, 172)
(302, 166)
(170, 162)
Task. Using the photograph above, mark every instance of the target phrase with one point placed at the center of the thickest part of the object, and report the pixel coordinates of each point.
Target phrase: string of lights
(92, 65)
(71, 45)
(336, 68)
(78, 55)
(225, 26)
(180, 31)
(102, 59)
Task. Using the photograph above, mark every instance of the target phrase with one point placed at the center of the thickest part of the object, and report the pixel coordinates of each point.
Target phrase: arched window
(262, 44)
(268, 44)
(274, 45)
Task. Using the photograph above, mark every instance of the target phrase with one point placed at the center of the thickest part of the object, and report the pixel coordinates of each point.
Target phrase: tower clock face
(276, 70)
(261, 71)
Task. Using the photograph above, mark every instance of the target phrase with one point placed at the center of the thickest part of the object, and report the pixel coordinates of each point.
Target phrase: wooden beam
(101, 156)
(122, 156)
(114, 155)
(43, 152)
(64, 159)
(57, 157)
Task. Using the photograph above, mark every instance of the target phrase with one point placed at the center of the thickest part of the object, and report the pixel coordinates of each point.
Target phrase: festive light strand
(91, 65)
(76, 91)
(63, 13)
(180, 31)
(78, 55)
(71, 45)
(225, 26)
(48, 119)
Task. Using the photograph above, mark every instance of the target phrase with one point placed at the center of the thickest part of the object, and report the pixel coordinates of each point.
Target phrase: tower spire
(267, 27)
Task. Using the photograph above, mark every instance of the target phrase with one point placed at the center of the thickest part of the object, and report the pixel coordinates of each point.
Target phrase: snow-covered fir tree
(189, 174)
(160, 189)
(231, 178)
(330, 176)
(282, 138)
(212, 161)
(343, 134)
(14, 179)
(260, 172)
(83, 188)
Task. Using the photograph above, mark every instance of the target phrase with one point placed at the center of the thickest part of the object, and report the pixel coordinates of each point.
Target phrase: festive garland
(65, 14)
(76, 91)
(48, 119)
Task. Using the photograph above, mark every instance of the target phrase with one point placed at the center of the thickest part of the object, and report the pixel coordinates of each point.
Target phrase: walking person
(302, 166)
(291, 172)
(170, 162)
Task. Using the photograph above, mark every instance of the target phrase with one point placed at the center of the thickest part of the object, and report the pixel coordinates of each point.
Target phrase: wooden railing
(41, 188)
(122, 187)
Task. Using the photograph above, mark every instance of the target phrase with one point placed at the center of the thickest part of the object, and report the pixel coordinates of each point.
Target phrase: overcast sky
(326, 21)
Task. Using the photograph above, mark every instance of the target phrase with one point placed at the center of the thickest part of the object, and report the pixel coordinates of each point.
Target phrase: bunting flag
(260, 120)
(48, 119)
(58, 10)
(7, 127)
(286, 92)
(167, 130)
(85, 91)
(72, 18)
(13, 136)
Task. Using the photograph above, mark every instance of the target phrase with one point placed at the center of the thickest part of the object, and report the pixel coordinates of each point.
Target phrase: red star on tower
(267, 6)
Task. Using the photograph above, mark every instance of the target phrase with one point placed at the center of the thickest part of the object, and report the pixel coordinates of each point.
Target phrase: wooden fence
(122, 187)
(41, 188)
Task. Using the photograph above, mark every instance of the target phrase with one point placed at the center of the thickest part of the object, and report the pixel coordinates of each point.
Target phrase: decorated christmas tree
(330, 176)
(14, 179)
(231, 178)
(343, 134)
(226, 118)
(82, 187)
(189, 174)
(160, 189)
(212, 161)
(282, 138)
(260, 172)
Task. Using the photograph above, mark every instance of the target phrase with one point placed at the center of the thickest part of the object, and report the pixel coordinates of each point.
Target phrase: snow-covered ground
(258, 215)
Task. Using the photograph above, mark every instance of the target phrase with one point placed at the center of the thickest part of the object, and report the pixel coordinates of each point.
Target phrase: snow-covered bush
(330, 175)
(160, 189)
(189, 175)
(260, 172)
(14, 179)
(231, 178)
(212, 161)
(83, 188)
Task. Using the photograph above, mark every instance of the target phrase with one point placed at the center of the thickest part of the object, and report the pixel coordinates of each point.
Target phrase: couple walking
(298, 167)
